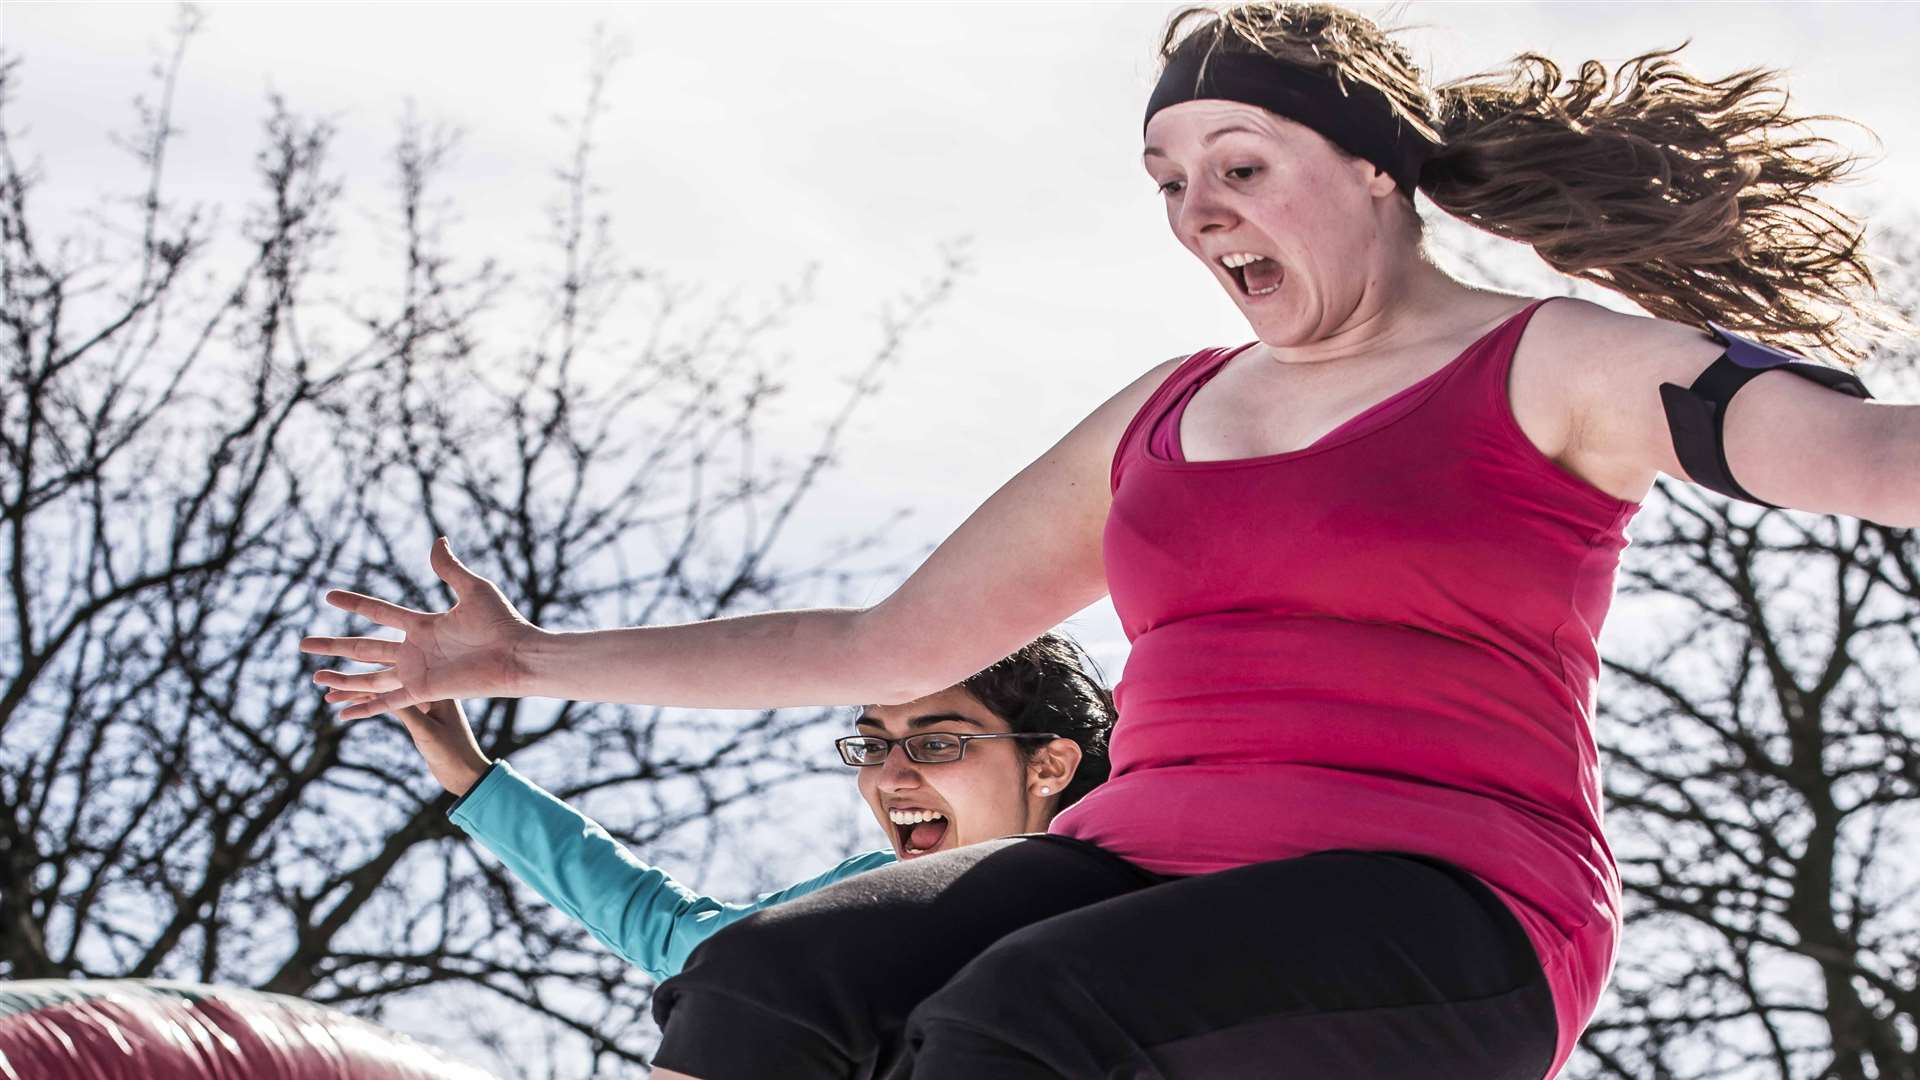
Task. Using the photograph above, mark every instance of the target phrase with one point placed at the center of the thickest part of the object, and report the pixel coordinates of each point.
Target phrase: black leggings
(1049, 957)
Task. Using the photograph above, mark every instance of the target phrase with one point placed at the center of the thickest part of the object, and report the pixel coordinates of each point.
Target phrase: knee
(1022, 977)
(760, 998)
(1027, 1007)
(766, 960)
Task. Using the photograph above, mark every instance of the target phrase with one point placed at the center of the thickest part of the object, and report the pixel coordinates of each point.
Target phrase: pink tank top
(1384, 641)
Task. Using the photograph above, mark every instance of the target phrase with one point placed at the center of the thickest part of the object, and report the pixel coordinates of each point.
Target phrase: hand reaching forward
(470, 650)
(442, 735)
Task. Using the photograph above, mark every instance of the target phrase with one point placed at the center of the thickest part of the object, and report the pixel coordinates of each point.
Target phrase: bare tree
(1763, 782)
(1761, 744)
(197, 442)
(1764, 787)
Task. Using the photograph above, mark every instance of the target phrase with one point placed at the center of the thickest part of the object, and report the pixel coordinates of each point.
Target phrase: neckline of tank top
(1340, 435)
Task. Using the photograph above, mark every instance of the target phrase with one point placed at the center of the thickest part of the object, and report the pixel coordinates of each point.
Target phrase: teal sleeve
(633, 908)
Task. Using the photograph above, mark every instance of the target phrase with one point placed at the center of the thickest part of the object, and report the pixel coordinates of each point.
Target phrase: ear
(1052, 766)
(1380, 183)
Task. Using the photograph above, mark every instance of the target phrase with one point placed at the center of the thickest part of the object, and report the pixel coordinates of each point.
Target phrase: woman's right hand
(471, 650)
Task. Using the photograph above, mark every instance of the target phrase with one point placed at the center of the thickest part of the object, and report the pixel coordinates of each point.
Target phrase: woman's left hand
(442, 735)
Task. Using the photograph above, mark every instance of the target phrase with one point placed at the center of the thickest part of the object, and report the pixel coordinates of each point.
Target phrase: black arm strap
(1696, 414)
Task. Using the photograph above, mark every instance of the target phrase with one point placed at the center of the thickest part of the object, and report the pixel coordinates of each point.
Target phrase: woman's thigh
(1348, 964)
(822, 985)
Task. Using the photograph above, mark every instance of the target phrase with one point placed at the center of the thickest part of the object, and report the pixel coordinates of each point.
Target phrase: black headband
(1360, 122)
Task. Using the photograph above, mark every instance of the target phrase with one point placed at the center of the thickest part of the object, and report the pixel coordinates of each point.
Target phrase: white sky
(746, 141)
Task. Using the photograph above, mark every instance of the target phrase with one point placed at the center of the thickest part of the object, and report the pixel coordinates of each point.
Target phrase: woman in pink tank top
(1354, 826)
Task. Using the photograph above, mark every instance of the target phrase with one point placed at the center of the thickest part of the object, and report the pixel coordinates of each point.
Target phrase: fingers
(382, 681)
(369, 607)
(444, 711)
(411, 715)
(364, 649)
(392, 702)
(450, 569)
(350, 697)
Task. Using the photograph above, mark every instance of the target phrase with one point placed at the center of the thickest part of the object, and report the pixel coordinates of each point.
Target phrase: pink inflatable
(136, 1029)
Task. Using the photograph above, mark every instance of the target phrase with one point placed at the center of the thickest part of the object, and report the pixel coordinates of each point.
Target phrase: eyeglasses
(927, 748)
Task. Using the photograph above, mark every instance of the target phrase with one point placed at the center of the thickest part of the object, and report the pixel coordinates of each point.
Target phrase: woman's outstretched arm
(1788, 440)
(1026, 559)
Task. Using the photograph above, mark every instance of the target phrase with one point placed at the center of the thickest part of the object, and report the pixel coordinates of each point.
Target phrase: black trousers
(1049, 957)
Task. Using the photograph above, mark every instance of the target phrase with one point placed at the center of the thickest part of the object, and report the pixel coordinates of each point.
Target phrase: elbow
(904, 692)
(901, 684)
(898, 665)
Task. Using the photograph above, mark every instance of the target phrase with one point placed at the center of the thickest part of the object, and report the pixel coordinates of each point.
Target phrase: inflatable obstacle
(139, 1029)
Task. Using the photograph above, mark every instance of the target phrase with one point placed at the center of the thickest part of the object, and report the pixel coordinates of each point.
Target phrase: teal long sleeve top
(635, 909)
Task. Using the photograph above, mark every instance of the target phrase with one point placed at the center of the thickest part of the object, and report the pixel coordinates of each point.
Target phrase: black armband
(1696, 414)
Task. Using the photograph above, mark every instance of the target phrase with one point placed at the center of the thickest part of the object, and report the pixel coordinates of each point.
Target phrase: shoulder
(1608, 338)
(1609, 365)
(853, 866)
(1109, 421)
(1133, 396)
(1086, 452)
(849, 867)
(1599, 373)
(1089, 448)
(1028, 557)
(861, 863)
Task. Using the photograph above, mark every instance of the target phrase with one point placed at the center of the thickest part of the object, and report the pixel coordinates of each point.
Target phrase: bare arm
(1789, 440)
(1027, 558)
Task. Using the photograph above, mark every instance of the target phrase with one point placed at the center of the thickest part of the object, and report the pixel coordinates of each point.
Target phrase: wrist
(529, 661)
(468, 775)
(461, 797)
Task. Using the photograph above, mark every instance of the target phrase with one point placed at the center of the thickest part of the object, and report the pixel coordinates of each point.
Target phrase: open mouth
(918, 831)
(1256, 275)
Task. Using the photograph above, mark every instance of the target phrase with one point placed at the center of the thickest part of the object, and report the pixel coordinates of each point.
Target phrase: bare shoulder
(1029, 557)
(1572, 324)
(1095, 439)
(1132, 397)
(1591, 377)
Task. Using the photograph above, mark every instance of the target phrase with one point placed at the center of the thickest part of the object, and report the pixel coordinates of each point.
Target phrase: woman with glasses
(996, 755)
(1354, 825)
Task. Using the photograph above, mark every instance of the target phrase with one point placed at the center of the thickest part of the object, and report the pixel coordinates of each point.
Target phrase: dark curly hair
(1052, 685)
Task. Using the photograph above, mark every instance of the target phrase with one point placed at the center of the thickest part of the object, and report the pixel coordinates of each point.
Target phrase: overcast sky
(746, 141)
